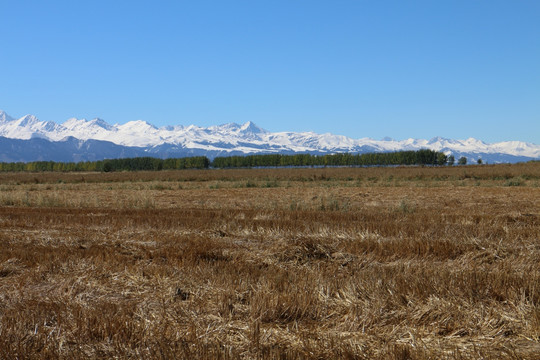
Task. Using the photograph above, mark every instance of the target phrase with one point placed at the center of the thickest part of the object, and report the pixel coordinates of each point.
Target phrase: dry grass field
(343, 263)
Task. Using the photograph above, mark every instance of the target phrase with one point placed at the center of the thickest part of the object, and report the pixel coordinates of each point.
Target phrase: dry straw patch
(404, 263)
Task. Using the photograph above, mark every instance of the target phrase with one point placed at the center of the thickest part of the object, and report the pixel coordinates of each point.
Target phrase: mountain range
(29, 139)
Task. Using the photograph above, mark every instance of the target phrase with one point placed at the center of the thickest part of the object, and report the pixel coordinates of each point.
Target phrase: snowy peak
(74, 124)
(26, 127)
(229, 126)
(4, 117)
(138, 125)
(250, 128)
(100, 123)
(437, 140)
(27, 121)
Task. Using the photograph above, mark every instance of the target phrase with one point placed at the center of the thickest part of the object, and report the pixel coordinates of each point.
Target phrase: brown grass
(399, 263)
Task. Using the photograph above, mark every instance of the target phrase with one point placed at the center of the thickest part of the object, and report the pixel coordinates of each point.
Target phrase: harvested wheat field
(354, 263)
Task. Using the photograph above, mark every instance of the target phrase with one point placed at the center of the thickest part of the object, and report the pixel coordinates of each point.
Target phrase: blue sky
(402, 69)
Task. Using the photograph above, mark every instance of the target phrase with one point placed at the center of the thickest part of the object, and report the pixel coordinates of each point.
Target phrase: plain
(355, 263)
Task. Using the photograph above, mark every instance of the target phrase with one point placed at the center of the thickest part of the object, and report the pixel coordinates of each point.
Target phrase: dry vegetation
(354, 263)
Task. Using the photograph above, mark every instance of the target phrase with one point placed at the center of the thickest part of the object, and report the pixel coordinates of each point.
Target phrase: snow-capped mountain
(139, 138)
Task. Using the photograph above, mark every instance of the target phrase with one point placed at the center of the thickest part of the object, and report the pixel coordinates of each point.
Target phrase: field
(352, 263)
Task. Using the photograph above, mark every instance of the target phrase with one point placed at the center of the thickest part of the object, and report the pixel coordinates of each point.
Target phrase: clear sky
(376, 68)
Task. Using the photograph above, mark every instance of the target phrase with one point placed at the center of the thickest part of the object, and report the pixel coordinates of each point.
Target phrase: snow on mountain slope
(236, 138)
(26, 127)
(85, 129)
(5, 117)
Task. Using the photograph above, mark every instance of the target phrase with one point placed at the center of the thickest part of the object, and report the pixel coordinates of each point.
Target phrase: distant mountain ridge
(81, 139)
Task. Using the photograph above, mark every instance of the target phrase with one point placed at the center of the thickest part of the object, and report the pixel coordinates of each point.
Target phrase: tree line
(108, 165)
(419, 157)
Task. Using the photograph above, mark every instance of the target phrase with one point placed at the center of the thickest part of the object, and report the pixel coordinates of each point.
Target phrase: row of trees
(155, 164)
(129, 164)
(419, 157)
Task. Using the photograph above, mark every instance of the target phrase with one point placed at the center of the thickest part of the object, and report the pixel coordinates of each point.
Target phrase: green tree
(107, 166)
(451, 160)
(479, 161)
(441, 158)
(462, 161)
